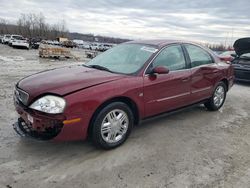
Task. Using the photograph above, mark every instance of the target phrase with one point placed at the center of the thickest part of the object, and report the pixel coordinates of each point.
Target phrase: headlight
(49, 104)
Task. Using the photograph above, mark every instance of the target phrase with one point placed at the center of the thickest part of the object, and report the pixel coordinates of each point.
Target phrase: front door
(164, 92)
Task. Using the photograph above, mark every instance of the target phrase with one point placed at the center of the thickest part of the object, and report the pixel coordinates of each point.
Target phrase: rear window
(18, 37)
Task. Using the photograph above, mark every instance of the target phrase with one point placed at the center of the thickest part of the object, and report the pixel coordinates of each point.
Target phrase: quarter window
(172, 57)
(198, 56)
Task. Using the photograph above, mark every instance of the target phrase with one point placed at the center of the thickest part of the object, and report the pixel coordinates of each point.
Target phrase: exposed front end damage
(35, 124)
(42, 133)
(43, 126)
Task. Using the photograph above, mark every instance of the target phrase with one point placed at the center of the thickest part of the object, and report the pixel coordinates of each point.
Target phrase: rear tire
(218, 98)
(112, 125)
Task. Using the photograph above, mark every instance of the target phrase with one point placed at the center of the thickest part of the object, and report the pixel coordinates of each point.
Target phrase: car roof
(159, 42)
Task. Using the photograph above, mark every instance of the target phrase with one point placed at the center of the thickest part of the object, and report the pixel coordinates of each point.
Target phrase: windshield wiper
(99, 67)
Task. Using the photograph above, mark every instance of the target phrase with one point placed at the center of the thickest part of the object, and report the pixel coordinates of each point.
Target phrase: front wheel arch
(131, 104)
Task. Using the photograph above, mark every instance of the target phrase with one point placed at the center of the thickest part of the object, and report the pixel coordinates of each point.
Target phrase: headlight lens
(49, 104)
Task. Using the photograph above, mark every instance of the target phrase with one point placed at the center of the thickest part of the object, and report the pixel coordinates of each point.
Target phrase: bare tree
(34, 25)
(3, 26)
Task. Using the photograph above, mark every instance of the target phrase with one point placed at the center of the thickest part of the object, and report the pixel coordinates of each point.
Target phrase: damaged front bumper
(18, 127)
(36, 124)
(25, 129)
(56, 127)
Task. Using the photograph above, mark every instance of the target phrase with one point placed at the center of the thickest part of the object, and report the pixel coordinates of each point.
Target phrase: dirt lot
(193, 148)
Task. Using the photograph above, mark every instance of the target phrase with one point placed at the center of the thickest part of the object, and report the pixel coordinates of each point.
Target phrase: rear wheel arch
(210, 104)
(126, 100)
(225, 81)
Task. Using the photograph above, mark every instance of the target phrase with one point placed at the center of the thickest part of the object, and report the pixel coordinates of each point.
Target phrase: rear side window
(172, 57)
(198, 56)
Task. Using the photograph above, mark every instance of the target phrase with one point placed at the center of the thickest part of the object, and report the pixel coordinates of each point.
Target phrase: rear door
(164, 92)
(203, 70)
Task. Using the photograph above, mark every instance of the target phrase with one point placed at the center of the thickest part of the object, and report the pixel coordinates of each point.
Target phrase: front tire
(218, 98)
(112, 125)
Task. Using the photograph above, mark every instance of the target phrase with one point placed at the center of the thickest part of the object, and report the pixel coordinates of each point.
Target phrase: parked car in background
(6, 39)
(55, 42)
(94, 46)
(84, 46)
(50, 42)
(104, 98)
(78, 42)
(69, 44)
(1, 39)
(20, 42)
(104, 47)
(14, 37)
(241, 63)
(227, 56)
(35, 43)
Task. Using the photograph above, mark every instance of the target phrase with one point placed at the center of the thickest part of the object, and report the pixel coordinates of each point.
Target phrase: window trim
(158, 53)
(188, 56)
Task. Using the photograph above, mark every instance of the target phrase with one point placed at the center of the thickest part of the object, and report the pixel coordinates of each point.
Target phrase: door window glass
(172, 57)
(198, 56)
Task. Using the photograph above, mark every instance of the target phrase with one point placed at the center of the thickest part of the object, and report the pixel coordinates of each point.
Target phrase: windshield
(18, 37)
(125, 58)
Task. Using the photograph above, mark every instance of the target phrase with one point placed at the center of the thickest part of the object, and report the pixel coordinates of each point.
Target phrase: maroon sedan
(104, 98)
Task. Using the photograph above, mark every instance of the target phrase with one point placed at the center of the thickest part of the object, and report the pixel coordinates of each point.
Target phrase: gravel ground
(192, 148)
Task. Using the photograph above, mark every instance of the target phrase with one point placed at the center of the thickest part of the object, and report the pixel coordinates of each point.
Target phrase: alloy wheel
(114, 126)
(219, 96)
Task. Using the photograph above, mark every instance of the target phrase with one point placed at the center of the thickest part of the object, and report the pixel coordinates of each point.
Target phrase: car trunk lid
(242, 46)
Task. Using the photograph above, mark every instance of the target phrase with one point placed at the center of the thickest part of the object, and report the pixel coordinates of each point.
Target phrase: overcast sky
(216, 21)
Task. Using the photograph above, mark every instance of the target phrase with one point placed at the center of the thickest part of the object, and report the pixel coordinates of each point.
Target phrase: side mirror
(160, 70)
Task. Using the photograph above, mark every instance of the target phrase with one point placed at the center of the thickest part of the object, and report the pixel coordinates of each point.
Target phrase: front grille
(22, 96)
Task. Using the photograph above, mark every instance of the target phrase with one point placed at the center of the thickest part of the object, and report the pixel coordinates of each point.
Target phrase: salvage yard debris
(50, 51)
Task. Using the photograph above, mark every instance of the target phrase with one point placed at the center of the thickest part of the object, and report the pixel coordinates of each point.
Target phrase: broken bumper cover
(19, 130)
(27, 129)
(37, 125)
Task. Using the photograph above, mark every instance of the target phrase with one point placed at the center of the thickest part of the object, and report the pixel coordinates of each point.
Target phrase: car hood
(242, 46)
(65, 80)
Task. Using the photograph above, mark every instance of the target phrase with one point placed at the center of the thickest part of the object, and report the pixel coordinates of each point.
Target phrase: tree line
(34, 26)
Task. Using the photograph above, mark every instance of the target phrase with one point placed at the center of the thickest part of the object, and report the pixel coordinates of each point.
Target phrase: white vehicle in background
(78, 42)
(1, 39)
(6, 39)
(94, 46)
(55, 42)
(14, 37)
(104, 47)
(85, 46)
(20, 42)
